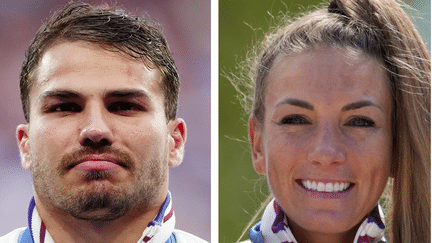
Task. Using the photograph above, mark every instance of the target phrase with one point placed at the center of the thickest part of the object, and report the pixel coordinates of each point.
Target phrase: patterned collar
(274, 228)
(159, 229)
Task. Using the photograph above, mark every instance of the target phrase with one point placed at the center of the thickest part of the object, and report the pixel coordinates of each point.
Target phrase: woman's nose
(326, 148)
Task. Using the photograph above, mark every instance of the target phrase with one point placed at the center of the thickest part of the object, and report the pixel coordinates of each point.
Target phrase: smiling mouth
(331, 187)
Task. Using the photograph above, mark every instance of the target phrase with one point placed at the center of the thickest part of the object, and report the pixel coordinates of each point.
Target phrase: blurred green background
(241, 24)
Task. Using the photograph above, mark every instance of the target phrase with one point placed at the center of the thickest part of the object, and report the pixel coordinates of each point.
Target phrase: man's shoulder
(12, 236)
(184, 237)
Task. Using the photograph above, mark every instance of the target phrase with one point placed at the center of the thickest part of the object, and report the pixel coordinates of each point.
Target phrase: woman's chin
(322, 225)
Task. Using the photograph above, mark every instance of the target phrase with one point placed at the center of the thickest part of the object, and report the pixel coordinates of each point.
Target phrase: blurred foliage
(241, 24)
(241, 190)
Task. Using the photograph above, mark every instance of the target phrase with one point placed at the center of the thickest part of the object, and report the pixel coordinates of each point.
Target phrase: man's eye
(361, 122)
(294, 120)
(124, 106)
(66, 107)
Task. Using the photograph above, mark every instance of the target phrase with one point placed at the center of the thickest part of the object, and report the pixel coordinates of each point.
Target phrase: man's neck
(128, 228)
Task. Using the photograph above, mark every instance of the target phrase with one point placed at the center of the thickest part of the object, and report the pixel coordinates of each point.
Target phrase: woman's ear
(24, 145)
(255, 139)
(177, 140)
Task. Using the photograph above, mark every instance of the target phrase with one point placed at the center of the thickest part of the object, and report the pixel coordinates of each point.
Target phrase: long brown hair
(381, 29)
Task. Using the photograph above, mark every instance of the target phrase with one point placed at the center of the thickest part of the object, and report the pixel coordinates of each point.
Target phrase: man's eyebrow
(360, 104)
(64, 94)
(127, 93)
(296, 102)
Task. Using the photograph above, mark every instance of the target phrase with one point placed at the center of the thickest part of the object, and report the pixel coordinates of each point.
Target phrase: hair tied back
(334, 8)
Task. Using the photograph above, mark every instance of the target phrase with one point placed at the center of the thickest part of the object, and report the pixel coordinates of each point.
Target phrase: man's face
(98, 143)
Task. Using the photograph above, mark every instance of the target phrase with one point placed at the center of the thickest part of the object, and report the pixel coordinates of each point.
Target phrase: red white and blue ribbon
(160, 229)
(38, 231)
(274, 228)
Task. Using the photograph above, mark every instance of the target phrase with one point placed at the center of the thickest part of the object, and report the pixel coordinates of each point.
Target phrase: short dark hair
(107, 26)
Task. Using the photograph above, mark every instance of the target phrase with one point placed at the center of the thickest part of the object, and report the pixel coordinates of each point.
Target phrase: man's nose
(96, 131)
(327, 148)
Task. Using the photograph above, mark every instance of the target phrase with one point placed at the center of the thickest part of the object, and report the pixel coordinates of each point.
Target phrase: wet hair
(112, 29)
(382, 30)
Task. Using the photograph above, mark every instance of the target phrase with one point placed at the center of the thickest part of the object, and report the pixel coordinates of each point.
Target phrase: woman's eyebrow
(306, 105)
(360, 104)
(296, 102)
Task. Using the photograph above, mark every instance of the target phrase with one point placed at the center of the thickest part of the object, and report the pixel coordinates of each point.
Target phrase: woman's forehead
(327, 71)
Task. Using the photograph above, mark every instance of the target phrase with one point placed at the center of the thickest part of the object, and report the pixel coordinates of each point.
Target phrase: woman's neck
(306, 236)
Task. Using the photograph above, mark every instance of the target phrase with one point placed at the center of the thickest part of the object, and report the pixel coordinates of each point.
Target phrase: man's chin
(97, 203)
(96, 175)
(99, 215)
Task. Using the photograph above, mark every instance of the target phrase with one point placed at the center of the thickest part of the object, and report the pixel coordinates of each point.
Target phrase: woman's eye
(124, 106)
(294, 120)
(361, 122)
(66, 107)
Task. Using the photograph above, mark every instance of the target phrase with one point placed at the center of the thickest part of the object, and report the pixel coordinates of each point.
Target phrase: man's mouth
(320, 186)
(101, 162)
(96, 165)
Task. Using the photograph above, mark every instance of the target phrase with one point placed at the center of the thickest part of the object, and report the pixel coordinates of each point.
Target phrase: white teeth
(336, 187)
(313, 186)
(304, 183)
(328, 187)
(345, 186)
(321, 187)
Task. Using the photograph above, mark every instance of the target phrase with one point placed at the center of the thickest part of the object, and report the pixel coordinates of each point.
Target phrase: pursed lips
(98, 163)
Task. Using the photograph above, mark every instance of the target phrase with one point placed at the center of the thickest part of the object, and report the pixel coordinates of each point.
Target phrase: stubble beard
(100, 201)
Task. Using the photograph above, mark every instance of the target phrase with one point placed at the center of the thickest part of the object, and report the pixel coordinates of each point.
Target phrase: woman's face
(325, 142)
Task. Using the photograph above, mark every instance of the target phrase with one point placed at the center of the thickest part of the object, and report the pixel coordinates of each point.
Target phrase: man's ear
(24, 145)
(177, 140)
(255, 139)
